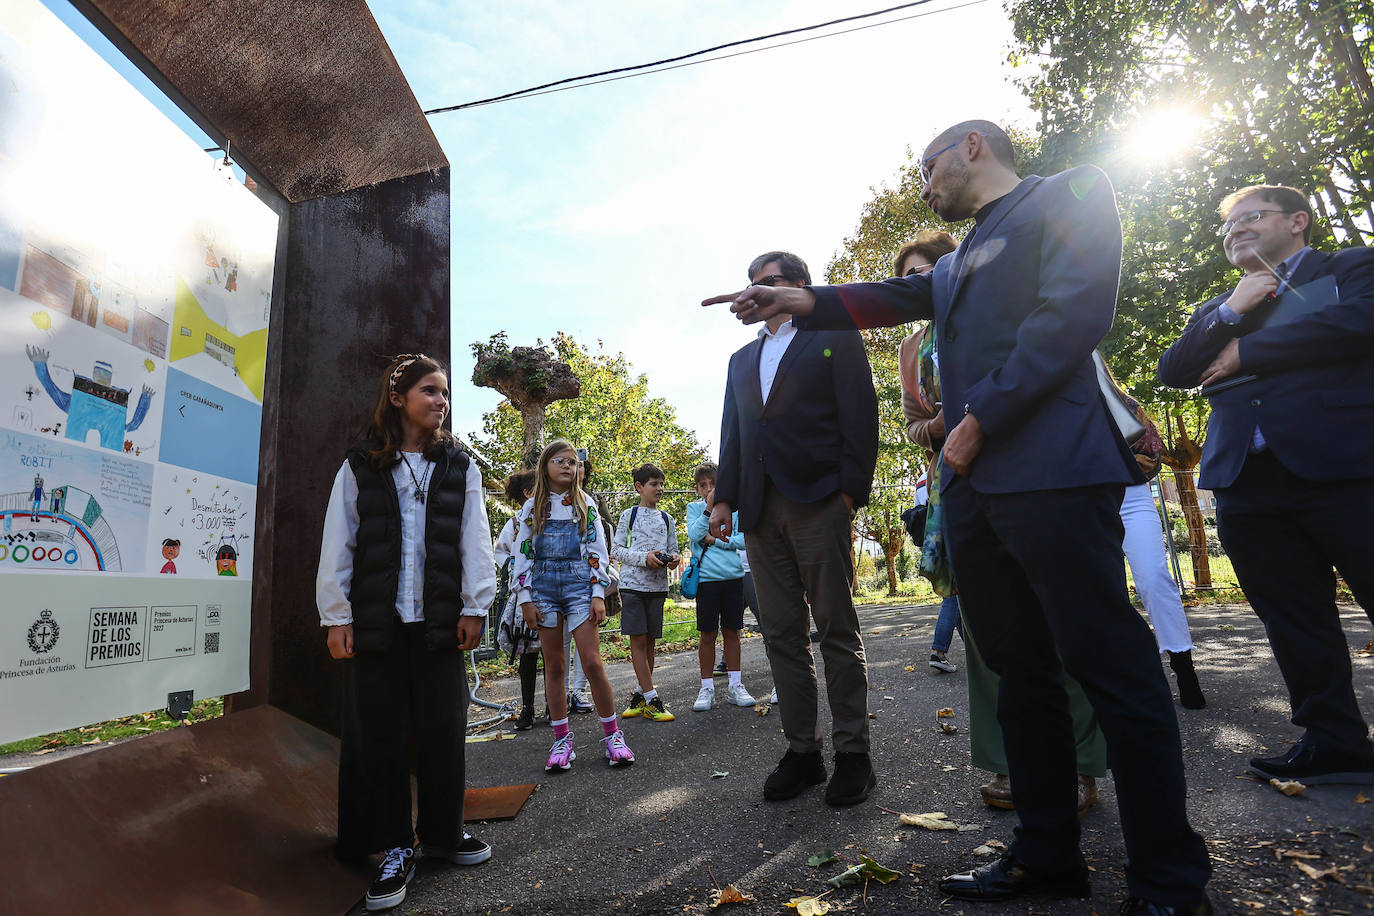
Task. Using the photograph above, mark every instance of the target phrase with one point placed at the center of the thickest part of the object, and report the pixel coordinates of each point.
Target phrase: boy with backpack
(646, 547)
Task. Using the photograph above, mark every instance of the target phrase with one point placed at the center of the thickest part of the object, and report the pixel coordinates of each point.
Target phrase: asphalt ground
(659, 836)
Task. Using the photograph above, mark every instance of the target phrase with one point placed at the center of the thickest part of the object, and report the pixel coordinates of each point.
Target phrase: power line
(659, 66)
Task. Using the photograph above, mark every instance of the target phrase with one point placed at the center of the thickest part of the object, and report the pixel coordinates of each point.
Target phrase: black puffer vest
(377, 557)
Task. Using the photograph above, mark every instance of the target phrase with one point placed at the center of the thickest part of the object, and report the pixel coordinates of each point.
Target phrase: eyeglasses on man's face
(770, 280)
(918, 270)
(928, 162)
(1247, 219)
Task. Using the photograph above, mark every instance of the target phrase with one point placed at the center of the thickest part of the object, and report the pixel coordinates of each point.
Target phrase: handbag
(1119, 404)
(934, 564)
(691, 579)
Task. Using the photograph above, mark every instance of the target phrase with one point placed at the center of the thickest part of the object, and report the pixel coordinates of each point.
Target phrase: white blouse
(341, 539)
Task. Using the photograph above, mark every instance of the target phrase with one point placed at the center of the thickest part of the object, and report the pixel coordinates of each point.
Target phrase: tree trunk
(891, 554)
(1197, 531)
(532, 417)
(854, 557)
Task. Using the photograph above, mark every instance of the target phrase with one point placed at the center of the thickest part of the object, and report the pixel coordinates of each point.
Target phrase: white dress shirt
(341, 538)
(775, 344)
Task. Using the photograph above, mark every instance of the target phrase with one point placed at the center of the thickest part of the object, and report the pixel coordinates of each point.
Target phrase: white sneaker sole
(744, 703)
(389, 901)
(457, 858)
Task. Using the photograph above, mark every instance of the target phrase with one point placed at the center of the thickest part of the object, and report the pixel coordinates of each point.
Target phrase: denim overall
(562, 581)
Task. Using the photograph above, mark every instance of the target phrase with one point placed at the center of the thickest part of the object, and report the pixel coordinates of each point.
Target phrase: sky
(610, 211)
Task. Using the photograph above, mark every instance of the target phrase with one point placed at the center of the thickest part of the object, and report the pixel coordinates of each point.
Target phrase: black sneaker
(469, 852)
(853, 780)
(577, 704)
(793, 775)
(388, 889)
(526, 719)
(1312, 766)
(721, 670)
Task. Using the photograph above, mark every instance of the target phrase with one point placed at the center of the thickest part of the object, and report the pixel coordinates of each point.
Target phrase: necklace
(420, 483)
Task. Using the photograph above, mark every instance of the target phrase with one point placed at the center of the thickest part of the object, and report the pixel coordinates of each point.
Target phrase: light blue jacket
(722, 561)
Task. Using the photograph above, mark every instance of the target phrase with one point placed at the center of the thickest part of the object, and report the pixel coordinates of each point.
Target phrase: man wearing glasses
(1287, 362)
(798, 445)
(1032, 462)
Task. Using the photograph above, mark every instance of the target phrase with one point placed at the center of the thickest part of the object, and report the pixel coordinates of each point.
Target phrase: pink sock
(610, 726)
(560, 729)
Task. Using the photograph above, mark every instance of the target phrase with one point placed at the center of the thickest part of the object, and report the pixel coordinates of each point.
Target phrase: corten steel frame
(237, 815)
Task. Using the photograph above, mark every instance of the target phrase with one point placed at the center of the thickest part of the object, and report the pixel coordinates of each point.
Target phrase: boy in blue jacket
(720, 596)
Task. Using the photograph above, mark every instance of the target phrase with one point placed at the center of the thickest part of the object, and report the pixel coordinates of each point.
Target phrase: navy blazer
(1314, 398)
(1019, 308)
(818, 432)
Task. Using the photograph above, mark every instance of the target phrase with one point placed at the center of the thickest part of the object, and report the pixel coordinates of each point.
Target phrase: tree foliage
(615, 418)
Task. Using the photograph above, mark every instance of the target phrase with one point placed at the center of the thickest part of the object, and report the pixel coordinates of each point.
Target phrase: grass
(129, 726)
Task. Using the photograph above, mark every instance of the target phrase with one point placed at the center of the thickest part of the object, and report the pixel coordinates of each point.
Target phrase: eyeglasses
(565, 462)
(929, 161)
(919, 270)
(770, 280)
(1248, 219)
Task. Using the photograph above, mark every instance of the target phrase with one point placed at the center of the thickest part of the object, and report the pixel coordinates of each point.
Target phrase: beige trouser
(799, 551)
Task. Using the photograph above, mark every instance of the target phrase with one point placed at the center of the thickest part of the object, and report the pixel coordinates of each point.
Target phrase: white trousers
(1145, 551)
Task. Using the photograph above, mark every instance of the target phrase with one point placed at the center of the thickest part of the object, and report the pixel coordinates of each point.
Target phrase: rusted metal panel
(235, 815)
(307, 90)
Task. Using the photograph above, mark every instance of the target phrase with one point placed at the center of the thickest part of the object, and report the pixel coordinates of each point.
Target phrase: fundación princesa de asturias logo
(44, 633)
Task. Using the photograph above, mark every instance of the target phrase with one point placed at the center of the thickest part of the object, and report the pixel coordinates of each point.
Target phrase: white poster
(135, 293)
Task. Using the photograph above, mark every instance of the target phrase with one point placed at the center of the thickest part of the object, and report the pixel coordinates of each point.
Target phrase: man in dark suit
(1290, 456)
(1032, 486)
(798, 444)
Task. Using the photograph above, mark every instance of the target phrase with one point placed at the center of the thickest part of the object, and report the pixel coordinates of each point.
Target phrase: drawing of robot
(93, 403)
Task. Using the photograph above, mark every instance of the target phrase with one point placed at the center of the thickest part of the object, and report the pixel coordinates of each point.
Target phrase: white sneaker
(740, 696)
(773, 697)
(706, 698)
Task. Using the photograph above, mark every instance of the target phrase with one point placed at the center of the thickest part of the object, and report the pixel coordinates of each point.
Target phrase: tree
(531, 379)
(615, 418)
(1281, 94)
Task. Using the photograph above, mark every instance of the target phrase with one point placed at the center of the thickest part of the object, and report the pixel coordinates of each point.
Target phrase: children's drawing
(93, 403)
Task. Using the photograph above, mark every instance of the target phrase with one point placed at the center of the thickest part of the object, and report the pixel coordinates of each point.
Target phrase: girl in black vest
(404, 581)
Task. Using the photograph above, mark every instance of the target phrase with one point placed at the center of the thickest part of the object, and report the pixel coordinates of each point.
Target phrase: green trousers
(985, 734)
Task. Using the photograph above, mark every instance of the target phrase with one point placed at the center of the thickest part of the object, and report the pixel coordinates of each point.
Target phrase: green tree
(1281, 94)
(615, 418)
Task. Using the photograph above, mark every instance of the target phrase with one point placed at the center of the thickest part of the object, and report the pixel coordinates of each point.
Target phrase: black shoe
(720, 670)
(526, 719)
(793, 775)
(388, 889)
(1139, 906)
(1007, 878)
(577, 704)
(815, 635)
(471, 851)
(853, 780)
(1312, 766)
(1189, 690)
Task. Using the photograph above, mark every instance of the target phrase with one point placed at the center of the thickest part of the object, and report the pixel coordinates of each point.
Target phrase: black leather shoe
(1007, 878)
(794, 774)
(1139, 906)
(1189, 690)
(853, 780)
(1312, 766)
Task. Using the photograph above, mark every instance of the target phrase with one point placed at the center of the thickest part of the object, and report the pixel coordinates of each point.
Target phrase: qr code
(211, 643)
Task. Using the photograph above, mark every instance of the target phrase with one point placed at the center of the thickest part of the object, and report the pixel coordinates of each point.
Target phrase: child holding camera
(645, 545)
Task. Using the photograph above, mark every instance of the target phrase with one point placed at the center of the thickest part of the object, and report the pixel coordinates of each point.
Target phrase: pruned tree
(531, 378)
(1182, 453)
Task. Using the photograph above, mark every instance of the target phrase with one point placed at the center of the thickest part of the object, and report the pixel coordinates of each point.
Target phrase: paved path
(647, 839)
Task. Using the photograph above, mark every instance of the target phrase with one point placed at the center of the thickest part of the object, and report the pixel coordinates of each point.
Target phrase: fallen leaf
(1282, 854)
(865, 869)
(1289, 787)
(824, 858)
(946, 713)
(729, 894)
(809, 906)
(1317, 874)
(989, 848)
(1361, 799)
(720, 774)
(880, 873)
(911, 667)
(949, 729)
(935, 820)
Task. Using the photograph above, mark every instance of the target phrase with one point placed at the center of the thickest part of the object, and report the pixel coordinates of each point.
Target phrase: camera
(664, 557)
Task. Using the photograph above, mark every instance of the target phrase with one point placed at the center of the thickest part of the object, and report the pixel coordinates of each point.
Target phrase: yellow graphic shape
(42, 320)
(149, 365)
(247, 354)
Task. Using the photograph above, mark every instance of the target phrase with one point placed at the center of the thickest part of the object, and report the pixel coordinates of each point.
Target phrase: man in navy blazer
(1034, 477)
(1290, 456)
(798, 445)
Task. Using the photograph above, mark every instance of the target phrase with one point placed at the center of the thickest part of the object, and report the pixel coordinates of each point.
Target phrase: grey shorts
(641, 613)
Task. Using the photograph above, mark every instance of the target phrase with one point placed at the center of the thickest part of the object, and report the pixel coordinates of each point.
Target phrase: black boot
(1189, 690)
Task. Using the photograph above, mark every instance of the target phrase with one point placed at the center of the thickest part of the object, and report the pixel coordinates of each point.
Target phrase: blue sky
(610, 211)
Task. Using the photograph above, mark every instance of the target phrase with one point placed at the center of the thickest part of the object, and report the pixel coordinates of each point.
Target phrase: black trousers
(1041, 578)
(1283, 534)
(408, 696)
